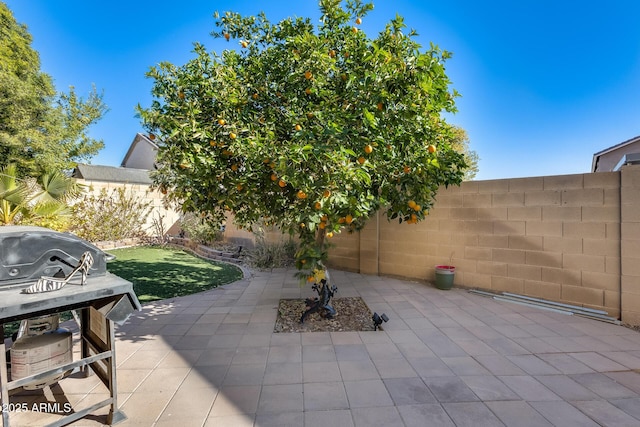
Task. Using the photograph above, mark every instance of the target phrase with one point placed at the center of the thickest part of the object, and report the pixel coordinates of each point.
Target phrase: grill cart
(44, 273)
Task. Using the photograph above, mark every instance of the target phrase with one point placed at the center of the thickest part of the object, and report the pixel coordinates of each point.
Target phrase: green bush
(199, 230)
(114, 215)
(272, 255)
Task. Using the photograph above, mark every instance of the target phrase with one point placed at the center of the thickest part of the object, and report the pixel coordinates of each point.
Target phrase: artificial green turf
(159, 273)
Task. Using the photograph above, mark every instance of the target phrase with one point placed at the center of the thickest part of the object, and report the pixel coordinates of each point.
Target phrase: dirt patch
(352, 315)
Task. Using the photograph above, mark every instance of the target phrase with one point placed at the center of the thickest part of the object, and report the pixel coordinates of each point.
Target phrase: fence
(569, 238)
(572, 238)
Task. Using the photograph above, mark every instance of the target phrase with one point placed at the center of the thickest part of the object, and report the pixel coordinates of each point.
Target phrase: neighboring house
(133, 175)
(610, 159)
(111, 174)
(141, 153)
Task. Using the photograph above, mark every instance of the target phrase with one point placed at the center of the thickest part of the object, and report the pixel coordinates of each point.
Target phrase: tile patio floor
(445, 358)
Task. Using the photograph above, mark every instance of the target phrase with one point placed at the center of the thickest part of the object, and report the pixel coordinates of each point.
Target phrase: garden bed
(352, 315)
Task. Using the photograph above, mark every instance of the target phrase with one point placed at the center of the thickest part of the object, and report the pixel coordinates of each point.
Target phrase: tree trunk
(320, 235)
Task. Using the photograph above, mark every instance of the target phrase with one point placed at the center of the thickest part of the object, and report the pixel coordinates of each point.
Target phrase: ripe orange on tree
(308, 75)
(244, 43)
(301, 194)
(232, 135)
(348, 219)
(368, 149)
(326, 193)
(282, 183)
(361, 160)
(298, 128)
(274, 177)
(431, 148)
(221, 122)
(358, 21)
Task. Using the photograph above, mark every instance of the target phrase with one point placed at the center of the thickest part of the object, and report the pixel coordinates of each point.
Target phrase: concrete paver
(445, 358)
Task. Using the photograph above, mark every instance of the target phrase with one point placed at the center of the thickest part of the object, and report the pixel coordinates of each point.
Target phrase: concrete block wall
(270, 235)
(552, 237)
(169, 216)
(630, 244)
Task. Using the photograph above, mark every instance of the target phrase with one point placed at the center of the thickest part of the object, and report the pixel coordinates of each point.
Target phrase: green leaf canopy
(312, 129)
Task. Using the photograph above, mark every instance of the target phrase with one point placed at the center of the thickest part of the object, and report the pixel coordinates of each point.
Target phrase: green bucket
(444, 276)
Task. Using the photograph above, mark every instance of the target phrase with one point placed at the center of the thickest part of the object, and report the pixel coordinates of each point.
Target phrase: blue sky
(544, 83)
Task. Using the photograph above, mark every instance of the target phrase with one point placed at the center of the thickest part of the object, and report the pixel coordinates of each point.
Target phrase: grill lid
(27, 253)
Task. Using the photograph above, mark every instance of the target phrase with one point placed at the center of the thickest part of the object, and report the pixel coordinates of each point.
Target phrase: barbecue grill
(27, 253)
(34, 255)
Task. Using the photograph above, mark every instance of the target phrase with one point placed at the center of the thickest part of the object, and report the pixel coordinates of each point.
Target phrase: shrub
(113, 215)
(272, 255)
(199, 230)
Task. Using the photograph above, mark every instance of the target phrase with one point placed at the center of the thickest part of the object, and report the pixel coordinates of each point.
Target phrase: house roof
(111, 174)
(596, 156)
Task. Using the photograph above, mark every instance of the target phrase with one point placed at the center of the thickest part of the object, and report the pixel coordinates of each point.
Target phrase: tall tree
(460, 143)
(40, 129)
(312, 129)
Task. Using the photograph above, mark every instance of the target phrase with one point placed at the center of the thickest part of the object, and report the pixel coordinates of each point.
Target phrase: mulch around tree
(352, 315)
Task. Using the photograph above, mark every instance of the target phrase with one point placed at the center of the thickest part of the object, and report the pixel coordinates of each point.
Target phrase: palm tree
(13, 194)
(42, 201)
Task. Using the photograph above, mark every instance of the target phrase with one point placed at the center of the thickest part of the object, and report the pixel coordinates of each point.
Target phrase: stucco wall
(609, 160)
(555, 237)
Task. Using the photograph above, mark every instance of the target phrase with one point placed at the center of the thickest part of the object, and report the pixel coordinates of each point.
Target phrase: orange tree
(311, 129)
